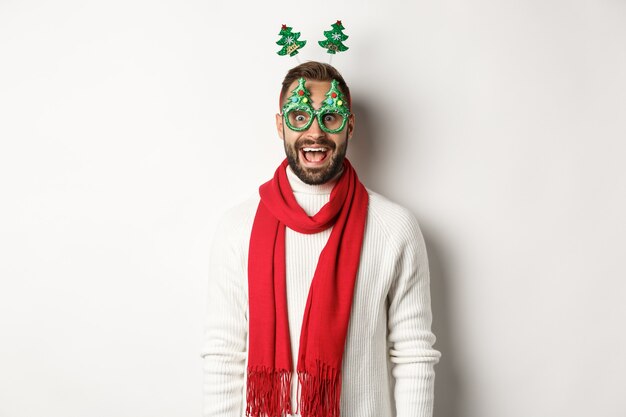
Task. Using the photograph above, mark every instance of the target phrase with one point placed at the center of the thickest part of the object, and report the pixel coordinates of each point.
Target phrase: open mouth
(314, 155)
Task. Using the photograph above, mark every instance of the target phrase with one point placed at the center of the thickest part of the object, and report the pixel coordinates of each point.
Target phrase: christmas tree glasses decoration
(289, 41)
(299, 113)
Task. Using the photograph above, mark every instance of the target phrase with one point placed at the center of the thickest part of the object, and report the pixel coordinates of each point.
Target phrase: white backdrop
(128, 127)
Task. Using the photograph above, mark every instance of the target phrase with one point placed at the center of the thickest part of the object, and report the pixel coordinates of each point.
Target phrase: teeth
(314, 149)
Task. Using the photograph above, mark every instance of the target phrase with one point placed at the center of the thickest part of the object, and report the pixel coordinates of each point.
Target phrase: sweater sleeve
(226, 324)
(409, 319)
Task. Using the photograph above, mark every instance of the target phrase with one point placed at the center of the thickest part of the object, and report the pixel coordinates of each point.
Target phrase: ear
(279, 126)
(351, 121)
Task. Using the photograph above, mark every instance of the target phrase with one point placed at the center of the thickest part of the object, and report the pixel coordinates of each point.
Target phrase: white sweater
(388, 361)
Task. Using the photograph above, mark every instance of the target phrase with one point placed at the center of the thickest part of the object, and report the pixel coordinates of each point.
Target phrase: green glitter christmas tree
(335, 100)
(289, 41)
(300, 98)
(334, 39)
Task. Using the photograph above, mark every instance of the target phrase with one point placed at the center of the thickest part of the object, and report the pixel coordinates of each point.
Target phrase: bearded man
(319, 294)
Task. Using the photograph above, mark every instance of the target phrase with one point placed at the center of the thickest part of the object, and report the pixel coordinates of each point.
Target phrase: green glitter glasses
(299, 113)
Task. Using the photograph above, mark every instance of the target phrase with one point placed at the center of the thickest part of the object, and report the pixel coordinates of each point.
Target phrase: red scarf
(327, 311)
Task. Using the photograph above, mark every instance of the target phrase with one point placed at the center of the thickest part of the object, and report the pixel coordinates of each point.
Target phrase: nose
(315, 131)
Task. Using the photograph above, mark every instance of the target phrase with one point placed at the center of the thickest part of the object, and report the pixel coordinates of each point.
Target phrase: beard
(321, 175)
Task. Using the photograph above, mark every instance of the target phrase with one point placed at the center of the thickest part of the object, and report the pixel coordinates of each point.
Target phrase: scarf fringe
(268, 392)
(320, 393)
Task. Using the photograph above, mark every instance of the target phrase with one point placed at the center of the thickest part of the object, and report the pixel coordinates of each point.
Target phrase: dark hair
(317, 71)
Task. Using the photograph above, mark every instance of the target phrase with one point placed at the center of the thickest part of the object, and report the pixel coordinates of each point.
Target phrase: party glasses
(332, 116)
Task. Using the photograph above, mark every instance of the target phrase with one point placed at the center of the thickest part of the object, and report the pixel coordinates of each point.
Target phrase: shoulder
(236, 222)
(240, 212)
(395, 221)
(392, 215)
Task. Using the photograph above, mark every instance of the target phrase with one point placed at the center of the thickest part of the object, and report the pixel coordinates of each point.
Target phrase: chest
(375, 275)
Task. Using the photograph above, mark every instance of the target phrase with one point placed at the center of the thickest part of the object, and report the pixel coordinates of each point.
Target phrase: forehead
(318, 90)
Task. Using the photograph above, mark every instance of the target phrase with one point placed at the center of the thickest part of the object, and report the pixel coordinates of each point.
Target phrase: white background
(128, 127)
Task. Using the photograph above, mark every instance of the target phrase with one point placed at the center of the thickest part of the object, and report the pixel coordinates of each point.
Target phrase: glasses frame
(300, 101)
(316, 114)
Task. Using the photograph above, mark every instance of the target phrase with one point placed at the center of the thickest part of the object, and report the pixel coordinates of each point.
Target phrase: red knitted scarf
(327, 311)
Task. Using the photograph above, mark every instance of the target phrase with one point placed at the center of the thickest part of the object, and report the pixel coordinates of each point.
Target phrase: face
(314, 155)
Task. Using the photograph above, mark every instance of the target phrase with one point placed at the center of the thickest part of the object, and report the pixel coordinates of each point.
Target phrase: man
(319, 298)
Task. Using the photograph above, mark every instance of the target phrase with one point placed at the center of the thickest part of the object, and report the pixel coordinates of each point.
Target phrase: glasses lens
(298, 118)
(332, 121)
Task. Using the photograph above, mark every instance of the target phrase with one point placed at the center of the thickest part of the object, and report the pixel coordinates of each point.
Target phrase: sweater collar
(298, 186)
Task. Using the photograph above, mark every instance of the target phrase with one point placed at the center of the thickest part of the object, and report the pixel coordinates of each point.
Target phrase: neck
(300, 187)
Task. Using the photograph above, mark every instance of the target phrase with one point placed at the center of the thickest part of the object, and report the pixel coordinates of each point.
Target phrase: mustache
(300, 143)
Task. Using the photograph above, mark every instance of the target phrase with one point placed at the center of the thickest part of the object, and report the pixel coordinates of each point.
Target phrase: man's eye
(300, 118)
(329, 117)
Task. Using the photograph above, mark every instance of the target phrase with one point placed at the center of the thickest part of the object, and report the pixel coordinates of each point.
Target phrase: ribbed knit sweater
(388, 361)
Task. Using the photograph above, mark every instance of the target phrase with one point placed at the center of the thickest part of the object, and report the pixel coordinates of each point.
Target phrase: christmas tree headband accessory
(333, 41)
(289, 42)
(299, 113)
